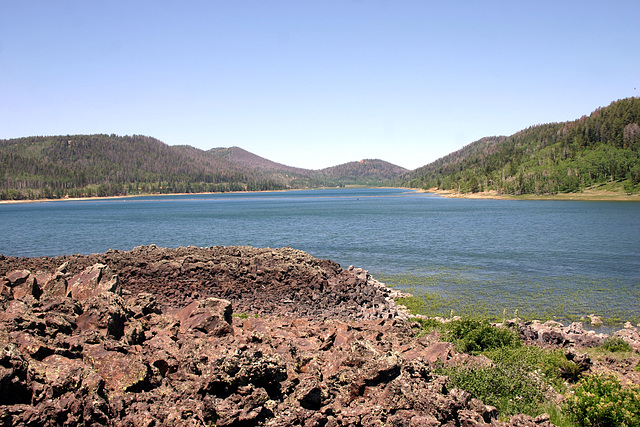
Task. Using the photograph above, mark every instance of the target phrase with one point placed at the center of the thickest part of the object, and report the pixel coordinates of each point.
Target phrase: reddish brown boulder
(22, 284)
(121, 372)
(105, 313)
(93, 281)
(17, 277)
(209, 315)
(54, 286)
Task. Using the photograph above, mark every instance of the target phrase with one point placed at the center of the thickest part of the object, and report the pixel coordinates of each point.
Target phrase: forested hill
(365, 170)
(245, 158)
(546, 159)
(106, 165)
(110, 165)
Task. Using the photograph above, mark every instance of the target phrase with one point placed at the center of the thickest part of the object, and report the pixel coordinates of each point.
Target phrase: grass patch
(541, 364)
(523, 378)
(616, 344)
(244, 315)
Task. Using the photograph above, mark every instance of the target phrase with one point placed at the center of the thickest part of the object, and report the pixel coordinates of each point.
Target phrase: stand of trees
(110, 165)
(546, 159)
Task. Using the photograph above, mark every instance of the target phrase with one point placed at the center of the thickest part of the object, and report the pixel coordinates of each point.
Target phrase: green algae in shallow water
(472, 293)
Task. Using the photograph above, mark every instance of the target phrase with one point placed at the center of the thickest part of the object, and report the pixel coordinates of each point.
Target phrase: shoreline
(588, 195)
(93, 198)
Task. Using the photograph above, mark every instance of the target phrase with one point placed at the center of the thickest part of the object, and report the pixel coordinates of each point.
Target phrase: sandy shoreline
(81, 199)
(586, 195)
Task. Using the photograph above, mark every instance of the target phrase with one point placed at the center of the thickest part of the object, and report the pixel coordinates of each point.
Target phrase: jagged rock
(121, 372)
(18, 315)
(522, 420)
(54, 286)
(210, 315)
(93, 281)
(26, 288)
(170, 352)
(631, 336)
(144, 304)
(105, 313)
(595, 320)
(30, 345)
(17, 277)
(555, 334)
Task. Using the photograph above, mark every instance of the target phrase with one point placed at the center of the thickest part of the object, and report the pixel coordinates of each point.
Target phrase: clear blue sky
(312, 83)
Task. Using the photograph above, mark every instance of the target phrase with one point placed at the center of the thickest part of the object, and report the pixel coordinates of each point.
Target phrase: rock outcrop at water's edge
(148, 338)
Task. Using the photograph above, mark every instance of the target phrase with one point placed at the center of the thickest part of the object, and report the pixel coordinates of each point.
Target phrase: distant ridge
(546, 159)
(110, 165)
(239, 156)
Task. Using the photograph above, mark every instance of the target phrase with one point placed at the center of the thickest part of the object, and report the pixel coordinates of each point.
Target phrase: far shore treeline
(543, 159)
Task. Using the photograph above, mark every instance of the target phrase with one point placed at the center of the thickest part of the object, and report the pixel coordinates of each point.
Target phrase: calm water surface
(558, 258)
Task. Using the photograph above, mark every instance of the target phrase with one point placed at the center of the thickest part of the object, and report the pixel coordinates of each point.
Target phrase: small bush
(541, 364)
(603, 401)
(474, 336)
(507, 387)
(616, 344)
(570, 370)
(518, 380)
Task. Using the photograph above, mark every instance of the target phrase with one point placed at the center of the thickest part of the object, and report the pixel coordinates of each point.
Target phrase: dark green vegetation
(525, 378)
(474, 337)
(110, 165)
(546, 159)
(616, 344)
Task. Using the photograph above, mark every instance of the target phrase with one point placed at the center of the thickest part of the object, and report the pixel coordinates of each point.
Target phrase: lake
(561, 259)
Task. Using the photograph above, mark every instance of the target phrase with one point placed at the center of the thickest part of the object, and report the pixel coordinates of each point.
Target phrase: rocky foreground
(224, 336)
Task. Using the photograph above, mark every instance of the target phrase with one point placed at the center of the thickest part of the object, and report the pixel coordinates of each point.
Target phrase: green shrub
(240, 315)
(475, 336)
(507, 387)
(570, 370)
(602, 401)
(518, 380)
(616, 344)
(540, 364)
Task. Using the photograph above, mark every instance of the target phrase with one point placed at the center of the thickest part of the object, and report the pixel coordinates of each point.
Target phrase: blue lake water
(560, 258)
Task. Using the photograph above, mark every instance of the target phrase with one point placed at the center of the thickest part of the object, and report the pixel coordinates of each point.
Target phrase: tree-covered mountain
(546, 159)
(364, 172)
(107, 165)
(110, 165)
